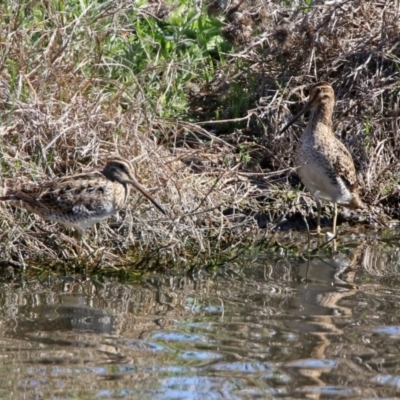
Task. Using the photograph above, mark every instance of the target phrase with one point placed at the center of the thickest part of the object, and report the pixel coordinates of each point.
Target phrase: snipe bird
(79, 201)
(325, 166)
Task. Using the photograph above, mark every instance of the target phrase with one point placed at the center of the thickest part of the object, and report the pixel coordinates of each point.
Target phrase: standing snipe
(79, 201)
(325, 166)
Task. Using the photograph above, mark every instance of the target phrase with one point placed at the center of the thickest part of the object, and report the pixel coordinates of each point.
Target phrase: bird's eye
(319, 90)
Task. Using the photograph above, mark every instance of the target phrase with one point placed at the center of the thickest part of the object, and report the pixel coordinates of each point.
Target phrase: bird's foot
(317, 233)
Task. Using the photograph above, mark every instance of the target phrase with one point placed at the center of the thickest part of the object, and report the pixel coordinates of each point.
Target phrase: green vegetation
(195, 97)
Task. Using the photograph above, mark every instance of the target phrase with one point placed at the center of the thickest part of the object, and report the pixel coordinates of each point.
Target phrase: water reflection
(318, 313)
(327, 326)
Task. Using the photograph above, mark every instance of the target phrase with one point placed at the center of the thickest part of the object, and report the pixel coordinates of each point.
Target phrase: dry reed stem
(60, 120)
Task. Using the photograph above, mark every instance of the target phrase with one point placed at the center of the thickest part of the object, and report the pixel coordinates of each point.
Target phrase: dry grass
(65, 114)
(53, 139)
(339, 44)
(335, 42)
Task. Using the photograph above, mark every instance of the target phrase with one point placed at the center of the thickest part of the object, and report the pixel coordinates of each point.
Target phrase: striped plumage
(79, 201)
(325, 166)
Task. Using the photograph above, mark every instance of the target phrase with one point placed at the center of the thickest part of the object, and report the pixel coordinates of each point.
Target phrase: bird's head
(321, 95)
(120, 170)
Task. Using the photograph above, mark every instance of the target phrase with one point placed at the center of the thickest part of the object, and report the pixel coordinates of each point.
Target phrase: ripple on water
(387, 380)
(235, 340)
(179, 337)
(312, 363)
(330, 391)
(393, 331)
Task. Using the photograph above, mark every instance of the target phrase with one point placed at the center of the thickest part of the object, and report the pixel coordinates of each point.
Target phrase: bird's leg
(81, 243)
(79, 236)
(319, 216)
(334, 219)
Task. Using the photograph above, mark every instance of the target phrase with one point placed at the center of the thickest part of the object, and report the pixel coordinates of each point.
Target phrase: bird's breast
(323, 183)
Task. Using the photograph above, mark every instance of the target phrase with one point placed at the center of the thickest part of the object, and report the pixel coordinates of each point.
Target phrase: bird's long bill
(297, 116)
(145, 193)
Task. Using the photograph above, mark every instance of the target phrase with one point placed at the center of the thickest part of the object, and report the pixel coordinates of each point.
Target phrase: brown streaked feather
(80, 200)
(344, 166)
(329, 153)
(63, 195)
(325, 165)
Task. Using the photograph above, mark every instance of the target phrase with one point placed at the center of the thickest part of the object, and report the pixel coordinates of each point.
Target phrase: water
(261, 327)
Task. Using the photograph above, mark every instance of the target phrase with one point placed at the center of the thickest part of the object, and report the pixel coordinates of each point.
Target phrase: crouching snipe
(80, 201)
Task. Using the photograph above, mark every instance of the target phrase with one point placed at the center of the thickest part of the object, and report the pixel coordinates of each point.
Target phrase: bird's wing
(71, 194)
(343, 163)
